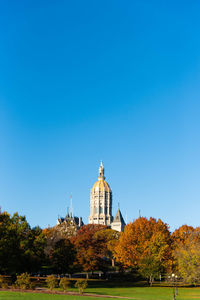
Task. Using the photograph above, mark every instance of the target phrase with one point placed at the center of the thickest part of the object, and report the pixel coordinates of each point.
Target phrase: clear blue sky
(82, 81)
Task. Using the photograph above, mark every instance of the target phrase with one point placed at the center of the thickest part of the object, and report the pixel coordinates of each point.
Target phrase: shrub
(64, 283)
(51, 282)
(3, 283)
(81, 285)
(13, 286)
(23, 281)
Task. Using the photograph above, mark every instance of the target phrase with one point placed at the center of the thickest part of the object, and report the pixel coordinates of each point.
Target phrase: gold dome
(101, 186)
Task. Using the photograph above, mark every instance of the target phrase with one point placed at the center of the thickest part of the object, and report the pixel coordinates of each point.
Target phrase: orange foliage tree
(146, 245)
(183, 235)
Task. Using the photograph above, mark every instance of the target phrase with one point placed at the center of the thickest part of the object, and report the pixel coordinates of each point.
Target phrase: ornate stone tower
(101, 201)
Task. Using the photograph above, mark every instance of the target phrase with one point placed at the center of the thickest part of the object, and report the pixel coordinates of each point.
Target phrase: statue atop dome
(101, 171)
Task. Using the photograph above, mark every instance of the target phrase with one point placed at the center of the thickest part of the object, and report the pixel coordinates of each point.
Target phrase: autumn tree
(188, 260)
(182, 235)
(94, 246)
(149, 268)
(109, 238)
(21, 248)
(145, 244)
(62, 256)
(181, 239)
(186, 252)
(52, 236)
(10, 252)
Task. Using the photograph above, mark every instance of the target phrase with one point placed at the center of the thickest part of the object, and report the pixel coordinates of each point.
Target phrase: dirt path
(46, 291)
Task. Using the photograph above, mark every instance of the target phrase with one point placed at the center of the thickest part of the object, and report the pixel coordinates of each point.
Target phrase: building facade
(101, 204)
(101, 201)
(69, 225)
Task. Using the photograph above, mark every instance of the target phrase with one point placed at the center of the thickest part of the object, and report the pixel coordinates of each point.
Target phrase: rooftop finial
(101, 171)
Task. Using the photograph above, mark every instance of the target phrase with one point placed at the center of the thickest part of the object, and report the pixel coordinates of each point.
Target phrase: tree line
(146, 247)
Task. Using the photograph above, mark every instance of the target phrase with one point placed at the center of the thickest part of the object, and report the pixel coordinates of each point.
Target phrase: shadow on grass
(115, 284)
(128, 284)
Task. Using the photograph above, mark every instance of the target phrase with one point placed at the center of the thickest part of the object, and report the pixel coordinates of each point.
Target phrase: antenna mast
(126, 218)
(71, 207)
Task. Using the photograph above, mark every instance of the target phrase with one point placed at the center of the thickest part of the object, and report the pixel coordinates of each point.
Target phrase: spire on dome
(101, 171)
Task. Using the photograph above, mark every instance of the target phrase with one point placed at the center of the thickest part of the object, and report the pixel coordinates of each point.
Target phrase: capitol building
(101, 204)
(100, 208)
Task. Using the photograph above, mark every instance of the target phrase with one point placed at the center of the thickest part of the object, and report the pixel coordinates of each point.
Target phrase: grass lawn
(32, 296)
(148, 293)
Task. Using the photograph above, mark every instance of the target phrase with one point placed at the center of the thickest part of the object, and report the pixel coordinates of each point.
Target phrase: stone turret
(118, 222)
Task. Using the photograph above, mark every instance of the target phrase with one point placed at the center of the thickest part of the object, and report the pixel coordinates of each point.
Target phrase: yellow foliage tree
(188, 261)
